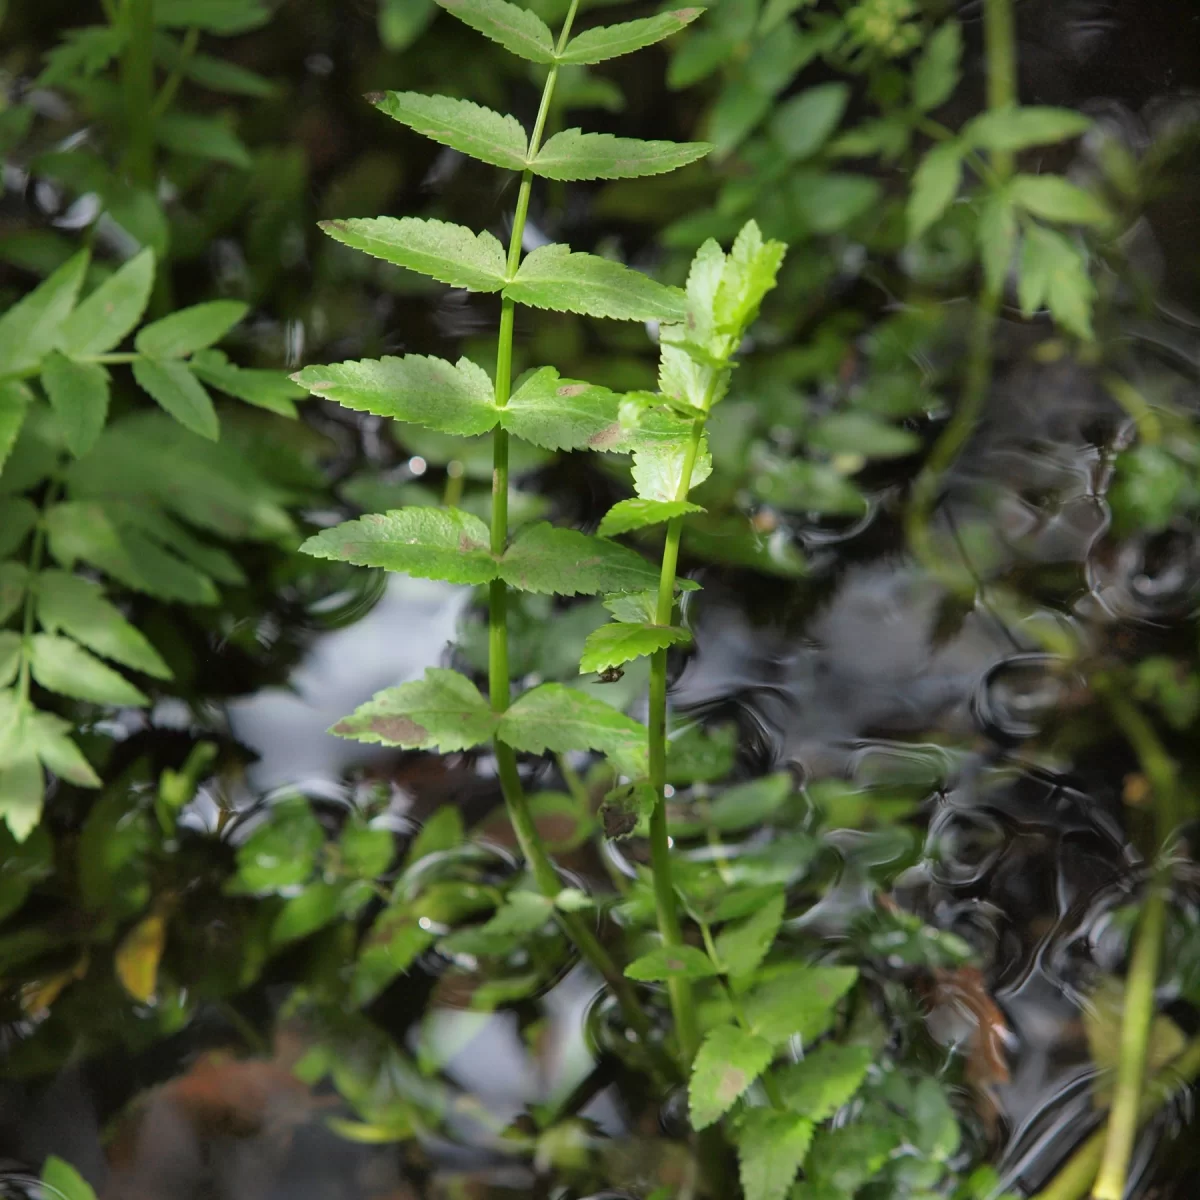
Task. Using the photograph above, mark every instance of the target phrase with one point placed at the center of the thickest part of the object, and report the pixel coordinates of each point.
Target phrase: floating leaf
(138, 955)
(671, 962)
(61, 665)
(573, 154)
(449, 397)
(517, 29)
(636, 513)
(444, 711)
(77, 606)
(108, 314)
(771, 1149)
(469, 128)
(565, 562)
(1054, 198)
(179, 393)
(556, 278)
(281, 852)
(619, 642)
(30, 328)
(189, 329)
(558, 719)
(562, 414)
(1012, 129)
(728, 1062)
(935, 184)
(428, 543)
(78, 393)
(449, 253)
(936, 74)
(613, 41)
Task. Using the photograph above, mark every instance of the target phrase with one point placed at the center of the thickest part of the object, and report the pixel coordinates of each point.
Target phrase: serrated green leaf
(14, 405)
(997, 239)
(658, 471)
(74, 605)
(825, 1079)
(612, 41)
(565, 562)
(428, 543)
(521, 914)
(179, 333)
(62, 665)
(556, 278)
(620, 642)
(12, 646)
(468, 128)
(64, 1182)
(637, 607)
(798, 1002)
(449, 397)
(1012, 129)
(771, 1149)
(743, 945)
(747, 276)
(21, 790)
(671, 962)
(1054, 272)
(14, 577)
(80, 54)
(283, 849)
(178, 392)
(30, 328)
(225, 17)
(444, 710)
(558, 719)
(562, 414)
(636, 513)
(936, 74)
(307, 912)
(1054, 198)
(107, 315)
(443, 830)
(78, 393)
(935, 184)
(802, 124)
(573, 154)
(449, 253)
(728, 1062)
(264, 389)
(48, 736)
(518, 30)
(366, 850)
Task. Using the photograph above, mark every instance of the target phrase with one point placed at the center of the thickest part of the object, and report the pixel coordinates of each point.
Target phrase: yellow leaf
(38, 995)
(138, 956)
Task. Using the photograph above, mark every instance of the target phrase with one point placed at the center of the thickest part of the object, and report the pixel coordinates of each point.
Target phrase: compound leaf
(263, 389)
(799, 1002)
(449, 397)
(78, 393)
(743, 945)
(62, 665)
(180, 393)
(728, 1062)
(429, 543)
(443, 711)
(636, 513)
(565, 562)
(562, 414)
(573, 154)
(620, 641)
(31, 327)
(105, 316)
(613, 41)
(517, 29)
(935, 184)
(469, 128)
(557, 718)
(557, 278)
(77, 606)
(449, 253)
(671, 962)
(771, 1149)
(1012, 129)
(1056, 199)
(825, 1079)
(179, 333)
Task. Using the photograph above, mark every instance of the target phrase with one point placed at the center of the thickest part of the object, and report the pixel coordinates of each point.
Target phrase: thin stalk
(1001, 52)
(166, 93)
(137, 85)
(683, 1006)
(1138, 1017)
(36, 553)
(499, 683)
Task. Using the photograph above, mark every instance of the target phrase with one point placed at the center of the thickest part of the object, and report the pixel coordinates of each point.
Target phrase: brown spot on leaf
(732, 1085)
(687, 14)
(403, 730)
(606, 438)
(571, 389)
(618, 822)
(337, 224)
(675, 964)
(374, 97)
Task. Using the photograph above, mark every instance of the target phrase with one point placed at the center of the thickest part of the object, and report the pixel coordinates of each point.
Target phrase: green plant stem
(1001, 52)
(1138, 1018)
(683, 1006)
(1074, 1180)
(137, 85)
(499, 684)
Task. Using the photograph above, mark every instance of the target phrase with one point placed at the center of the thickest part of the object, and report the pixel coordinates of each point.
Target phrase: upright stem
(499, 683)
(137, 84)
(1001, 53)
(683, 1006)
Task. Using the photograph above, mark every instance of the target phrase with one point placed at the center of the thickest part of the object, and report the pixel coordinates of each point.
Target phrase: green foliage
(730, 1059)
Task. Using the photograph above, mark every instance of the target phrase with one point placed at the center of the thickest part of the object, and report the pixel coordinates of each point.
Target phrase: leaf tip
(375, 98)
